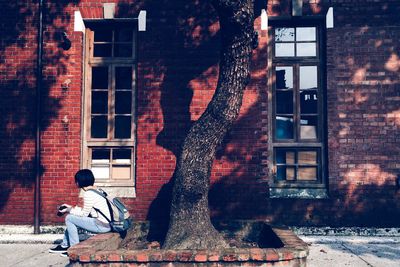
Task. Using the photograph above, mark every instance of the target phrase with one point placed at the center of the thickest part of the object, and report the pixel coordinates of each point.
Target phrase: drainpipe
(39, 80)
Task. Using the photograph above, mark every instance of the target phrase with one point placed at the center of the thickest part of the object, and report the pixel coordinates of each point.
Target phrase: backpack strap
(104, 195)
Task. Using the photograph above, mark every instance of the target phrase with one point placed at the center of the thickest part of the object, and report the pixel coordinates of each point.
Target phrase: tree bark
(190, 225)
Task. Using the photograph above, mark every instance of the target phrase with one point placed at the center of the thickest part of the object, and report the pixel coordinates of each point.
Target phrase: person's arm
(88, 202)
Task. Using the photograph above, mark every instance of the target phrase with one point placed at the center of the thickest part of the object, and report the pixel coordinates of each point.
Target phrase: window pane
(123, 77)
(308, 77)
(123, 35)
(305, 34)
(123, 102)
(308, 127)
(121, 172)
(99, 127)
(122, 127)
(285, 173)
(307, 157)
(284, 50)
(284, 77)
(284, 127)
(100, 78)
(307, 173)
(308, 102)
(121, 169)
(101, 172)
(306, 49)
(285, 156)
(123, 50)
(100, 156)
(122, 156)
(103, 35)
(284, 102)
(100, 163)
(99, 102)
(284, 34)
(102, 50)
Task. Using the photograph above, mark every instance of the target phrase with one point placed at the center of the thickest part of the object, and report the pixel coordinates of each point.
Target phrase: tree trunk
(190, 225)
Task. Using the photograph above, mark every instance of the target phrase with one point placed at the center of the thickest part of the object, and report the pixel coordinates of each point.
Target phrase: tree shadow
(18, 53)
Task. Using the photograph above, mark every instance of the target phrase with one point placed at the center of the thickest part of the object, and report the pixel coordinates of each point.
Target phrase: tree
(190, 225)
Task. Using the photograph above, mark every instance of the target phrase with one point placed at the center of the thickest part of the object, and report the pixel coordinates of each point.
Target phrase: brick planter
(102, 250)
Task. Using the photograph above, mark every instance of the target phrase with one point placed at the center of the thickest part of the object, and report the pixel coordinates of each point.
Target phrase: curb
(347, 231)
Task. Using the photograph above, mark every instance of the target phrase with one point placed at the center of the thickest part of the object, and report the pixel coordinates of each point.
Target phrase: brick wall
(177, 75)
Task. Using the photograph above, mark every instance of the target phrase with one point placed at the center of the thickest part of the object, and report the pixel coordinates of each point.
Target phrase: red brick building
(119, 83)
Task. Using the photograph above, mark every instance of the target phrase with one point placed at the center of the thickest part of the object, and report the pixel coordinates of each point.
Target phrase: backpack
(120, 220)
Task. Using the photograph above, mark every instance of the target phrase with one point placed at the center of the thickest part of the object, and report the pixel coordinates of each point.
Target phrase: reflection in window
(284, 77)
(309, 127)
(308, 102)
(284, 127)
(296, 164)
(308, 77)
(306, 49)
(295, 42)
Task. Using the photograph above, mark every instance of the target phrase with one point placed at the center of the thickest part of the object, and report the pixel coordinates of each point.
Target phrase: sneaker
(64, 254)
(58, 249)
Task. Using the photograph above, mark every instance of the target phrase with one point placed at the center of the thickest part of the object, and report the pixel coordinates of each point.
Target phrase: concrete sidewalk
(32, 250)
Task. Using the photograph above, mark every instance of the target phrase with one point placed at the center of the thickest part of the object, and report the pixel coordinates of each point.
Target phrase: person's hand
(65, 208)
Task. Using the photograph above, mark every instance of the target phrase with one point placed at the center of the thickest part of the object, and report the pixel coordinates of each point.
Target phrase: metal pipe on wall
(39, 80)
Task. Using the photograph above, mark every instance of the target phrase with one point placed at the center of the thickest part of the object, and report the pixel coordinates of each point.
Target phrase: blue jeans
(71, 236)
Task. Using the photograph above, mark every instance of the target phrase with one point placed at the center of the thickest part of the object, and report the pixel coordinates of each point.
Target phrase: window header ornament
(264, 20)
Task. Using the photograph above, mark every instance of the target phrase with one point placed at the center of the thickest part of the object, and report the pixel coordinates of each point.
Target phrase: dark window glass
(123, 35)
(99, 127)
(102, 50)
(123, 77)
(122, 126)
(123, 50)
(99, 102)
(100, 78)
(284, 102)
(101, 154)
(103, 35)
(309, 102)
(123, 154)
(123, 102)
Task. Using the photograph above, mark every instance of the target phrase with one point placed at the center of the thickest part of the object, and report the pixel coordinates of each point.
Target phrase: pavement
(27, 250)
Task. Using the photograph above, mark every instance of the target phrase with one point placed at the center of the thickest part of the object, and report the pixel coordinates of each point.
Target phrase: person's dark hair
(84, 178)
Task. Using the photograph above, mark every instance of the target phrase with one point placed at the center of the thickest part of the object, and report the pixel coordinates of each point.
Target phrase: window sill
(117, 191)
(300, 193)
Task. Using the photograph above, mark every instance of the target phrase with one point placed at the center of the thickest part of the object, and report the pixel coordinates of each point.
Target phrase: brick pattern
(100, 249)
(177, 74)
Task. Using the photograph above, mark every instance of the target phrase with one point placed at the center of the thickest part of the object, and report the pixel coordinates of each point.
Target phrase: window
(109, 115)
(297, 126)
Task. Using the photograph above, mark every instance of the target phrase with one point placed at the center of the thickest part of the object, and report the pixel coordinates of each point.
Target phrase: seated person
(86, 218)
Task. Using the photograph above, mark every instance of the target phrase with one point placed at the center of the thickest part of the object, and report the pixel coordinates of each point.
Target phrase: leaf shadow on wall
(18, 53)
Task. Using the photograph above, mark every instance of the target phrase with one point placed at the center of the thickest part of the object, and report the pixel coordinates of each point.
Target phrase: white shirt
(92, 200)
